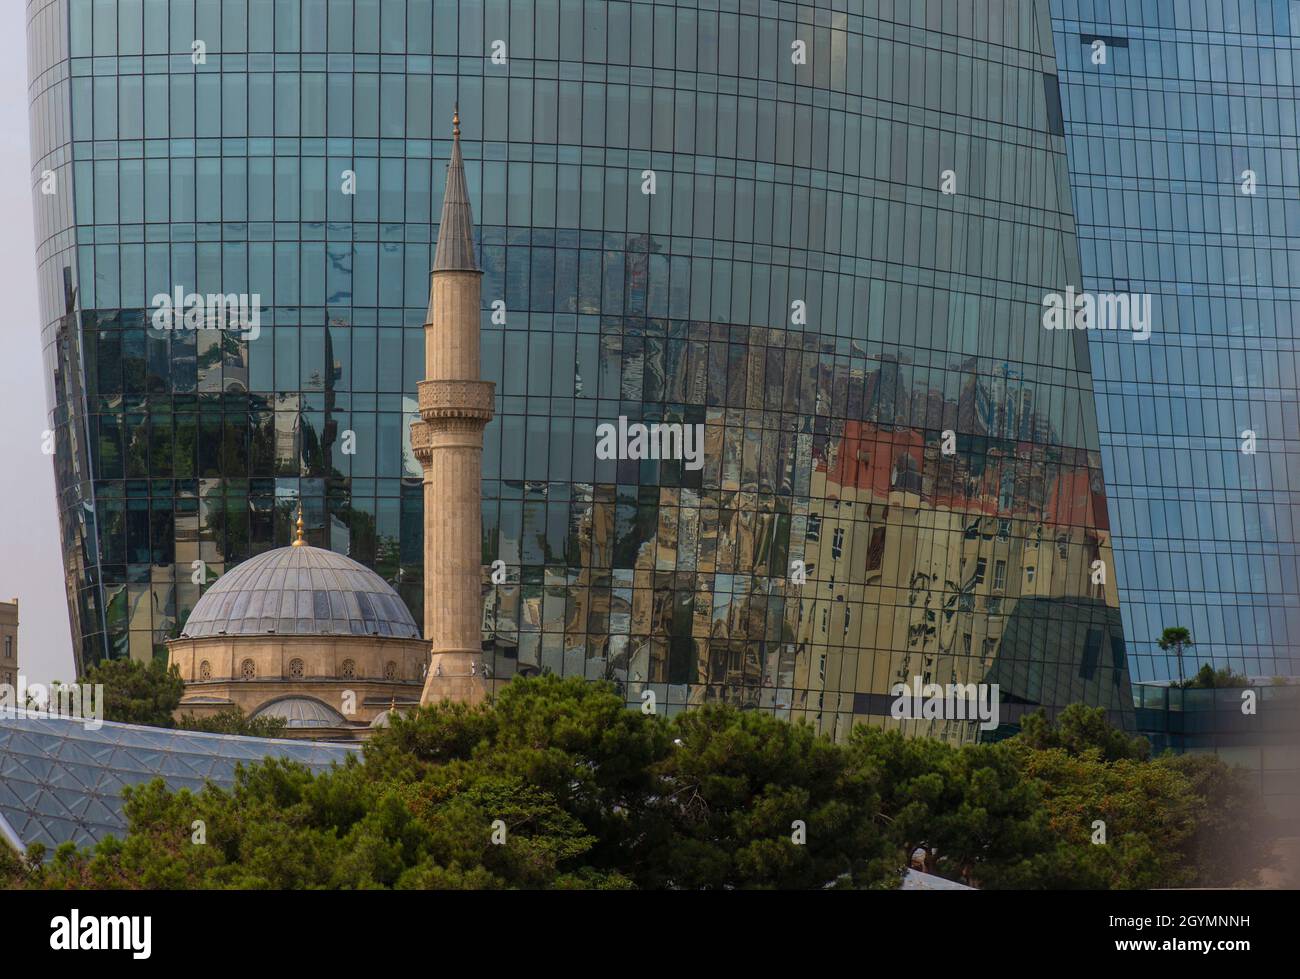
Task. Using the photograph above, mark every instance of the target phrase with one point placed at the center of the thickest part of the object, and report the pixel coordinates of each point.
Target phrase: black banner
(142, 930)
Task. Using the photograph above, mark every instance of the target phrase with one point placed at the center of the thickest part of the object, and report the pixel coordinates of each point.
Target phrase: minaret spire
(455, 406)
(455, 251)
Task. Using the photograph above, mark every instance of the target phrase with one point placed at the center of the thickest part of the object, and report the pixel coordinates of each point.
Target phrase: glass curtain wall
(823, 232)
(1182, 146)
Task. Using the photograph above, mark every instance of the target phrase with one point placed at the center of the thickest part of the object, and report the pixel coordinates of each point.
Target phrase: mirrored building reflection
(823, 232)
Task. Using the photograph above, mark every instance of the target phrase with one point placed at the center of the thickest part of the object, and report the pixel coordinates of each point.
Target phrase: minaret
(455, 406)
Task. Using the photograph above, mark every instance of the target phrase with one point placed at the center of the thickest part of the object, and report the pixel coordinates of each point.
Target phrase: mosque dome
(385, 717)
(300, 591)
(301, 712)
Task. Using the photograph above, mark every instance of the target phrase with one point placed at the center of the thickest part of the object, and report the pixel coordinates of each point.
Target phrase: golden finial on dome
(455, 121)
(299, 542)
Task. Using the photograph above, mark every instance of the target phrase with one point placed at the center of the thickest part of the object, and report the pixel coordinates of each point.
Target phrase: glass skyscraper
(823, 232)
(1182, 135)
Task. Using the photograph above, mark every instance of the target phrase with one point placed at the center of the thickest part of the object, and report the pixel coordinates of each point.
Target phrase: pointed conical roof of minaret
(455, 251)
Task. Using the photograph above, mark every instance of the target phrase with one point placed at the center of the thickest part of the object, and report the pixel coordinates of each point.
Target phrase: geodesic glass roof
(61, 781)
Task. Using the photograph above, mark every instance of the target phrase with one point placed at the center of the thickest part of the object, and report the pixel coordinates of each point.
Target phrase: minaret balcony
(457, 399)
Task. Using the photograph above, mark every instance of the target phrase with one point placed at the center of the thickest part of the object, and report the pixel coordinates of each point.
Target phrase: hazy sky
(31, 569)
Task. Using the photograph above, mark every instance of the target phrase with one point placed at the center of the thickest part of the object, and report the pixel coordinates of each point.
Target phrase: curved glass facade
(1182, 152)
(736, 218)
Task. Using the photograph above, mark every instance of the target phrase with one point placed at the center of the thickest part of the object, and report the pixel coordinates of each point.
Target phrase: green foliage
(149, 693)
(1207, 677)
(1147, 813)
(586, 792)
(232, 720)
(137, 693)
(1178, 639)
(559, 786)
(730, 798)
(19, 869)
(1079, 729)
(966, 811)
(1175, 821)
(1233, 835)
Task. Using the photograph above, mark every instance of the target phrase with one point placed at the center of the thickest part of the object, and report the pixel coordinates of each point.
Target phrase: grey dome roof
(300, 591)
(301, 712)
(385, 717)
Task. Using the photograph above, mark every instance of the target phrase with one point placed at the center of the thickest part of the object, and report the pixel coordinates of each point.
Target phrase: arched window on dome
(390, 670)
(247, 670)
(349, 670)
(205, 670)
(296, 669)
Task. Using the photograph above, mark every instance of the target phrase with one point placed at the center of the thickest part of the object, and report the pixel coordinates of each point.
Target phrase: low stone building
(302, 634)
(9, 642)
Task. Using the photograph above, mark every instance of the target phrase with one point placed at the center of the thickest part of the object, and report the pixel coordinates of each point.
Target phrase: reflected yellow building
(990, 565)
(915, 570)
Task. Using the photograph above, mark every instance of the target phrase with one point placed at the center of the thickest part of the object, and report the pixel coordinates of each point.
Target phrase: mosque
(312, 637)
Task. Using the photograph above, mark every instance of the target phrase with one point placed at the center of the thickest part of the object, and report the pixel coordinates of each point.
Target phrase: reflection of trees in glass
(212, 354)
(241, 525)
(364, 535)
(187, 441)
(136, 456)
(117, 614)
(318, 432)
(387, 560)
(1176, 638)
(1207, 677)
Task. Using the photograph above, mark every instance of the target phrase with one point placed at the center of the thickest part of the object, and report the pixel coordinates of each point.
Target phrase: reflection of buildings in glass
(917, 567)
(77, 524)
(779, 184)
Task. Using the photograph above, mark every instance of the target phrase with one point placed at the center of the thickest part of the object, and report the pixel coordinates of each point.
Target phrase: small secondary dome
(301, 712)
(300, 591)
(385, 717)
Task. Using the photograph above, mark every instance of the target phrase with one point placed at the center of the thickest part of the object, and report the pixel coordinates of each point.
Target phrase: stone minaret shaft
(455, 406)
